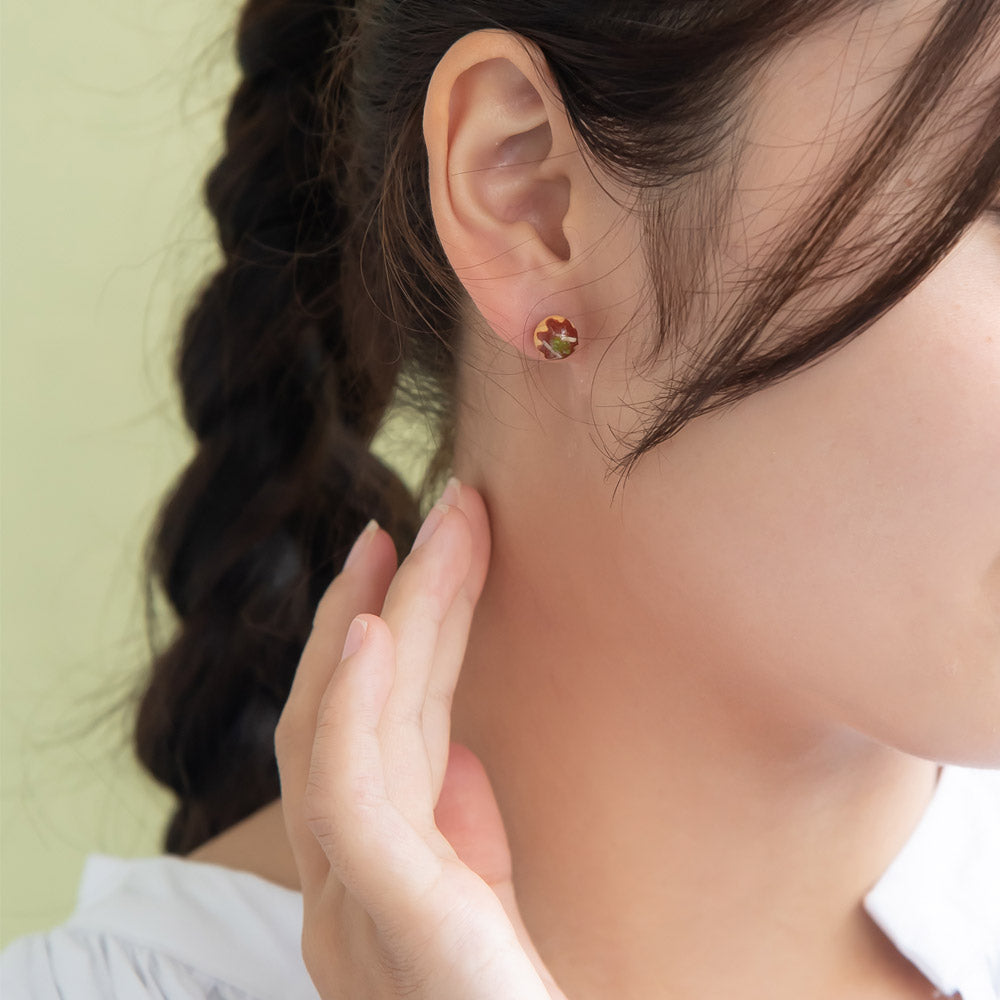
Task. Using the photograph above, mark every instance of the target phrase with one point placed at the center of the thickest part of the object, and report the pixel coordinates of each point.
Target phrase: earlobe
(503, 165)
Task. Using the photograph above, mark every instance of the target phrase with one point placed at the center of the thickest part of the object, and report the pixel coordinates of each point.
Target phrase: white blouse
(175, 929)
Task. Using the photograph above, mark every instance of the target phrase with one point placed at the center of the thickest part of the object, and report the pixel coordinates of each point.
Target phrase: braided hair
(284, 398)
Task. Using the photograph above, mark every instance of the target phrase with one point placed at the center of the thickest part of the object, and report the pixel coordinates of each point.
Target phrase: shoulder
(95, 965)
(169, 928)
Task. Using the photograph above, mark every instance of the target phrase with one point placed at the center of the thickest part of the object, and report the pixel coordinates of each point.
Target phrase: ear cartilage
(556, 338)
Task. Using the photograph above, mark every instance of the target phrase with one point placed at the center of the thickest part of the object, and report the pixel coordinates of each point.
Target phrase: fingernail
(355, 636)
(452, 492)
(430, 524)
(362, 542)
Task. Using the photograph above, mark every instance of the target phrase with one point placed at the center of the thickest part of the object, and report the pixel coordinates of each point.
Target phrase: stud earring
(556, 338)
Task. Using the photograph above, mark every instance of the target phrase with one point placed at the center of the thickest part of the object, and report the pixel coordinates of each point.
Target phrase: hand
(400, 900)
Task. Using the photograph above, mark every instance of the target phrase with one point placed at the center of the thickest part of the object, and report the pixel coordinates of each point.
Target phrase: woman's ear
(516, 206)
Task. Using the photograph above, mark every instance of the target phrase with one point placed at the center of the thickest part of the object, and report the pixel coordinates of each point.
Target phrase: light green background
(112, 112)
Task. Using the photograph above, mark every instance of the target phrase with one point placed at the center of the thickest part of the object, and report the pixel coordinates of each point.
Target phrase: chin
(969, 739)
(951, 713)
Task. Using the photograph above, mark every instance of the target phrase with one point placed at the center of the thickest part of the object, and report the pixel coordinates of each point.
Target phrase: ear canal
(556, 338)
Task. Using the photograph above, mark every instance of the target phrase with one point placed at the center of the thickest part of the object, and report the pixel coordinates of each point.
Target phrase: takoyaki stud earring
(556, 337)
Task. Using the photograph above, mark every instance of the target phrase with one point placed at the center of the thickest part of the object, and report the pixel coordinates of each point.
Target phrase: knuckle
(318, 810)
(330, 802)
(399, 972)
(430, 587)
(438, 702)
(349, 829)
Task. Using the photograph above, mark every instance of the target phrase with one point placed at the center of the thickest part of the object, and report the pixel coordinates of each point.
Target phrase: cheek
(844, 526)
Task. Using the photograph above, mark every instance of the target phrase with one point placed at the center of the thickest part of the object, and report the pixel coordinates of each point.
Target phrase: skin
(711, 707)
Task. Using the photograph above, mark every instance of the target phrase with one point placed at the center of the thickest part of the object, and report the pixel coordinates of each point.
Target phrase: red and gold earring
(556, 337)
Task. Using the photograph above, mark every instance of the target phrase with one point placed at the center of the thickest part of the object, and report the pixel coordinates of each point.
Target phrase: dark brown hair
(335, 299)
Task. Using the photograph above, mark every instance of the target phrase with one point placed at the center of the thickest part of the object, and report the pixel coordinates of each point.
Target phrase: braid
(283, 398)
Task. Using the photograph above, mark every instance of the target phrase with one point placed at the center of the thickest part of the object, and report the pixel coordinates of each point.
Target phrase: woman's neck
(672, 835)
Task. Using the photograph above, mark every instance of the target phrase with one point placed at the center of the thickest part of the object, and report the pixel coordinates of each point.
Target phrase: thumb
(468, 816)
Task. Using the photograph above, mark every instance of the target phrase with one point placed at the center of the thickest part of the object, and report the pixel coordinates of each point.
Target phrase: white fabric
(939, 900)
(182, 930)
(166, 928)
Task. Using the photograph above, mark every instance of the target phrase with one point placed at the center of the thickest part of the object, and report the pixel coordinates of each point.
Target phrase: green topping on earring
(556, 337)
